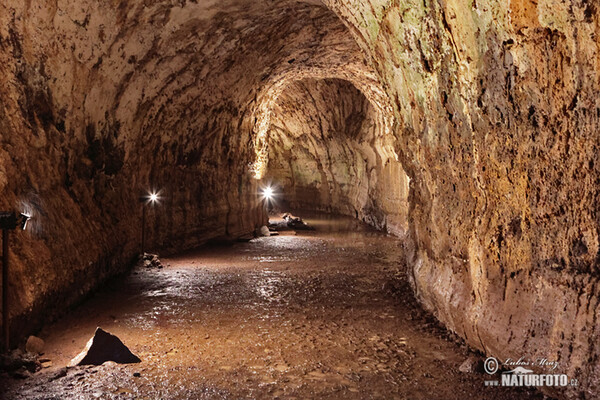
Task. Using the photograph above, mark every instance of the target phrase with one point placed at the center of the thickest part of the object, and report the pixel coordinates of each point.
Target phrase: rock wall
(489, 107)
(498, 119)
(329, 152)
(104, 101)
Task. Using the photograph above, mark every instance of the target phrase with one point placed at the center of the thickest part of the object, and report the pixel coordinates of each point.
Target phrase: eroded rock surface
(488, 110)
(498, 119)
(102, 102)
(331, 151)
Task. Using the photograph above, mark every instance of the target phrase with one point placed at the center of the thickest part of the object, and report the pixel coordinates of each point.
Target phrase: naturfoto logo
(520, 375)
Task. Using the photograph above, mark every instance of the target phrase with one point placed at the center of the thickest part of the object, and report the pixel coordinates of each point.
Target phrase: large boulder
(104, 347)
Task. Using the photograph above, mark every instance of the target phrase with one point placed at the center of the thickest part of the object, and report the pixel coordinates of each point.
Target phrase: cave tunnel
(441, 156)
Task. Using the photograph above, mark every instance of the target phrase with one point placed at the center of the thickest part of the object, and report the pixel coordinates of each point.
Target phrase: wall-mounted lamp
(9, 221)
(24, 219)
(269, 197)
(152, 198)
(267, 193)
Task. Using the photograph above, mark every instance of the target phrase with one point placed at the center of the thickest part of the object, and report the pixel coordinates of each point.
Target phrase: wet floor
(324, 314)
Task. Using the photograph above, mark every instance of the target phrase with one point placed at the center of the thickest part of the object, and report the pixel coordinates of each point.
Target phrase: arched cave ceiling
(176, 76)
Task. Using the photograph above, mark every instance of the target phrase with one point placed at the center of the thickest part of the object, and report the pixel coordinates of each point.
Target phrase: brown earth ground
(324, 314)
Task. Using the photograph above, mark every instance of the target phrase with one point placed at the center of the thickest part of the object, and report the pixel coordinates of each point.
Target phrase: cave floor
(321, 314)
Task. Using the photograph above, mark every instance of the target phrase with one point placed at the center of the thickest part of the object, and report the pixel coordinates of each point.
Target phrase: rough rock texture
(498, 118)
(103, 101)
(328, 152)
(490, 106)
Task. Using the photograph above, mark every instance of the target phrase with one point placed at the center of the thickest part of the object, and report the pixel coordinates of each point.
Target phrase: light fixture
(24, 218)
(9, 220)
(268, 195)
(152, 198)
(268, 192)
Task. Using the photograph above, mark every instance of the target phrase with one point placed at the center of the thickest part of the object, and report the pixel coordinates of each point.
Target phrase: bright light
(153, 197)
(24, 218)
(268, 192)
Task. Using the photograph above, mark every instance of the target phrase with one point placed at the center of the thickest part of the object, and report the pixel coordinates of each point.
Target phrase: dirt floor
(318, 314)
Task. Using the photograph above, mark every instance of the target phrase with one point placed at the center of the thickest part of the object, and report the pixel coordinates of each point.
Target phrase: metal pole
(143, 229)
(5, 308)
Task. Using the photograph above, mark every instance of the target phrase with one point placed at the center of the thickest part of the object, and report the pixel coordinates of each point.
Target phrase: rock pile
(296, 223)
(19, 364)
(150, 261)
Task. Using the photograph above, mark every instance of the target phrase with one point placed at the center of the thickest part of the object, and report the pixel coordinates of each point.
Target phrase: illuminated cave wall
(497, 113)
(329, 151)
(490, 106)
(102, 101)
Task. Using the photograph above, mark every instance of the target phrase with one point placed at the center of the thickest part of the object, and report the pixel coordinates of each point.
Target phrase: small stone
(46, 364)
(150, 261)
(21, 373)
(466, 366)
(471, 365)
(264, 231)
(34, 345)
(104, 347)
